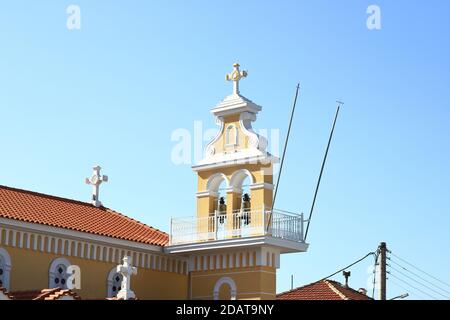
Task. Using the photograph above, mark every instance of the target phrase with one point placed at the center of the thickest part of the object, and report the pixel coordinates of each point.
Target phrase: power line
(404, 288)
(431, 276)
(424, 285)
(429, 295)
(357, 261)
(427, 281)
(374, 274)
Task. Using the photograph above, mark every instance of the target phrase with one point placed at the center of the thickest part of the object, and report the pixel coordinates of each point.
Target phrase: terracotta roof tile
(25, 295)
(44, 294)
(323, 290)
(70, 214)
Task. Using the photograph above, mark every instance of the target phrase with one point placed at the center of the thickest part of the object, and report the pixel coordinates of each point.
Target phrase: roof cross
(96, 180)
(236, 76)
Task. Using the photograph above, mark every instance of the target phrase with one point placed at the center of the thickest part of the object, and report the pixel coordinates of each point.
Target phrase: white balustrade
(241, 223)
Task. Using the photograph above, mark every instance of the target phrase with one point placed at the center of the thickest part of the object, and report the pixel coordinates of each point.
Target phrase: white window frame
(227, 135)
(52, 270)
(110, 282)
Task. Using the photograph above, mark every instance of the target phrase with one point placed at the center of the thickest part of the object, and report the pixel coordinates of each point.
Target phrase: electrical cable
(405, 275)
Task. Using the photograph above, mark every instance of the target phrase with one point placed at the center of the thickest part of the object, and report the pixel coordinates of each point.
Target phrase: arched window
(228, 292)
(5, 268)
(58, 273)
(231, 135)
(114, 282)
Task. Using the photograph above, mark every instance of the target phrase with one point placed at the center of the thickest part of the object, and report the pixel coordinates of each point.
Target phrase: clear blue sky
(112, 93)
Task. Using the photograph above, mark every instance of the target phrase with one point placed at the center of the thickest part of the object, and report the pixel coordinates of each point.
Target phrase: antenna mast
(321, 169)
(282, 158)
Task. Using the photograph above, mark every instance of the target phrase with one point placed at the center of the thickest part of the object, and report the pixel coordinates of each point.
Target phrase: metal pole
(282, 157)
(321, 169)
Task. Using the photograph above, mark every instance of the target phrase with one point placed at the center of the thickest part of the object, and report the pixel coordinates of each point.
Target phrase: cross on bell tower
(236, 76)
(96, 180)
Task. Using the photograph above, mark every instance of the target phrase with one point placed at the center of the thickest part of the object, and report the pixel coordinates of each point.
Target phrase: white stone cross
(235, 76)
(126, 270)
(96, 180)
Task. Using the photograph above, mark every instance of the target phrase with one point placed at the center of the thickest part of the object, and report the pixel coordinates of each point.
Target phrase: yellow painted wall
(251, 282)
(220, 145)
(30, 270)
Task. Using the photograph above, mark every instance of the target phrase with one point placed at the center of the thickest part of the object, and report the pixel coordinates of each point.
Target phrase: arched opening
(225, 289)
(114, 282)
(241, 181)
(221, 208)
(231, 136)
(217, 185)
(225, 292)
(5, 268)
(58, 273)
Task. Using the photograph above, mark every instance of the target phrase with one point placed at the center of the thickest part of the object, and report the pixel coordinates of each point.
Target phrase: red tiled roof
(5, 292)
(44, 294)
(323, 290)
(70, 214)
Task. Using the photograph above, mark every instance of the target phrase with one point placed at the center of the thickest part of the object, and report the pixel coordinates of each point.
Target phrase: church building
(230, 249)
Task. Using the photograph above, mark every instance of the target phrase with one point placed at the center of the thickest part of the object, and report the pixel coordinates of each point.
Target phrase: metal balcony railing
(239, 224)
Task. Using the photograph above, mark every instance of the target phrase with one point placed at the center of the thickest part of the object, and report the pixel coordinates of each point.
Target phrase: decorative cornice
(262, 185)
(233, 189)
(235, 104)
(207, 193)
(67, 246)
(285, 246)
(227, 160)
(77, 235)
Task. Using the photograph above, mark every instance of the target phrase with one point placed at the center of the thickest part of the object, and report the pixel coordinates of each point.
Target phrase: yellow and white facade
(229, 250)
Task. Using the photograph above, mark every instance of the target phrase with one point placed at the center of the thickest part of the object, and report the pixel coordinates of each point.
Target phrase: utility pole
(383, 250)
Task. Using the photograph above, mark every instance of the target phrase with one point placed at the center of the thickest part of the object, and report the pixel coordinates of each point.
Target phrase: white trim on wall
(77, 235)
(82, 249)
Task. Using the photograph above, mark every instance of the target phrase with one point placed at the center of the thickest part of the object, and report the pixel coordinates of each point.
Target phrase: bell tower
(234, 241)
(235, 154)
